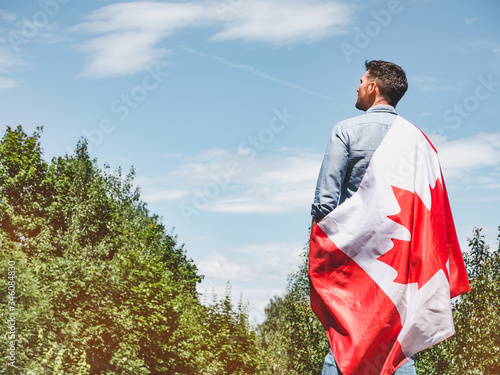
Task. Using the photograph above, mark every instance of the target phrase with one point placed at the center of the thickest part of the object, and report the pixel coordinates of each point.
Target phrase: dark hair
(391, 79)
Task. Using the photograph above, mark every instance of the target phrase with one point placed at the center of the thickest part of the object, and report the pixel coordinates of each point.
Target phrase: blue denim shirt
(350, 148)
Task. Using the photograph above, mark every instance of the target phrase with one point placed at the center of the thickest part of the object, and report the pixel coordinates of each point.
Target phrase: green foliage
(231, 348)
(23, 189)
(100, 286)
(475, 347)
(293, 340)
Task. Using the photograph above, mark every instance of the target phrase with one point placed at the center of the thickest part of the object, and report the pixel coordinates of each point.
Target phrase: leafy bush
(100, 286)
(475, 347)
(292, 339)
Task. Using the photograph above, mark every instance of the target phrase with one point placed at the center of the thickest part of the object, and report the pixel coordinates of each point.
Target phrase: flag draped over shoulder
(384, 264)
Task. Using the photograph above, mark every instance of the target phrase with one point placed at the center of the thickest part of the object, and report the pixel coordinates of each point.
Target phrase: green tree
(293, 340)
(475, 347)
(101, 287)
(232, 347)
(23, 189)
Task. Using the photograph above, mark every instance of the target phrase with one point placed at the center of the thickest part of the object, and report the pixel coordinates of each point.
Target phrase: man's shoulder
(382, 117)
(356, 120)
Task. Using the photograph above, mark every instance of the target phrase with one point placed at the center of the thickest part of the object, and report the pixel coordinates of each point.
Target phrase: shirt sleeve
(332, 174)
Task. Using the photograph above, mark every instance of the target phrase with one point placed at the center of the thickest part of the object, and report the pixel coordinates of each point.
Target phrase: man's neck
(380, 102)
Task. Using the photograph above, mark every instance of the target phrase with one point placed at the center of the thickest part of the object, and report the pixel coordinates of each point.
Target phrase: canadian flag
(384, 265)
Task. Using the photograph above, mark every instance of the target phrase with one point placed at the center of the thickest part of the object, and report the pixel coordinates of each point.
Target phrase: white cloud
(218, 266)
(266, 184)
(7, 83)
(437, 139)
(126, 35)
(37, 27)
(487, 199)
(477, 45)
(153, 16)
(121, 53)
(129, 34)
(460, 157)
(284, 22)
(10, 62)
(7, 16)
(17, 34)
(492, 186)
(425, 114)
(257, 271)
(274, 184)
(265, 262)
(471, 21)
(166, 195)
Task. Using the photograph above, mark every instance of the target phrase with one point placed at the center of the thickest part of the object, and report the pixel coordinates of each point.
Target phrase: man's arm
(331, 175)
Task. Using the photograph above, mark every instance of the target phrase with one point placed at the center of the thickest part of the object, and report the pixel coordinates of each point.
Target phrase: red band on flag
(360, 320)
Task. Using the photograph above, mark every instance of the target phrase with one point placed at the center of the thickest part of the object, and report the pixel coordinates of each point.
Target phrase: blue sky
(224, 108)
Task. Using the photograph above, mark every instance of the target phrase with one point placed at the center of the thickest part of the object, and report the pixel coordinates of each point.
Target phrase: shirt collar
(382, 108)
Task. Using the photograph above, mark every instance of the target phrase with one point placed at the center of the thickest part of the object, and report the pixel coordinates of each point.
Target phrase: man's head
(383, 83)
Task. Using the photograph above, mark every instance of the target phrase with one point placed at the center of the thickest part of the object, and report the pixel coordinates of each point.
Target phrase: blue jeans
(330, 367)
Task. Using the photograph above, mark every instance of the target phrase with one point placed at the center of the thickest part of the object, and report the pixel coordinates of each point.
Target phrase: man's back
(350, 148)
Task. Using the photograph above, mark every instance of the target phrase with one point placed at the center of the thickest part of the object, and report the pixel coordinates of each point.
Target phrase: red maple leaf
(420, 258)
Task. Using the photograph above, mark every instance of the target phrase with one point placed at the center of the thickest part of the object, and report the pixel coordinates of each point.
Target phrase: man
(384, 258)
(350, 148)
(353, 141)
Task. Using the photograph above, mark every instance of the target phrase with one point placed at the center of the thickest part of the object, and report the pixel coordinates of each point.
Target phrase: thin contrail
(251, 69)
